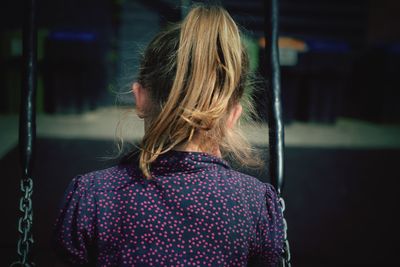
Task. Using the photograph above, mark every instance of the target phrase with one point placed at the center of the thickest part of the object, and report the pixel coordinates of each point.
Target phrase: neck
(192, 146)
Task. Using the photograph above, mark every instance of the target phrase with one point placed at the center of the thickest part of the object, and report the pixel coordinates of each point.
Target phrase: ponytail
(195, 73)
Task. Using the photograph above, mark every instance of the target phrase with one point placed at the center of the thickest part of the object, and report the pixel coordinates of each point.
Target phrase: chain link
(25, 240)
(286, 249)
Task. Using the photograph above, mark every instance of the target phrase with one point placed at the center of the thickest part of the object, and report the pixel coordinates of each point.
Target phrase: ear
(140, 95)
(234, 116)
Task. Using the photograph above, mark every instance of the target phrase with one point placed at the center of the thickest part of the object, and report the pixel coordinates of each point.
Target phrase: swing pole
(275, 125)
(27, 126)
(27, 132)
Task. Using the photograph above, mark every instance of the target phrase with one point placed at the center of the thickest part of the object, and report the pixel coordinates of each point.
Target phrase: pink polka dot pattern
(197, 211)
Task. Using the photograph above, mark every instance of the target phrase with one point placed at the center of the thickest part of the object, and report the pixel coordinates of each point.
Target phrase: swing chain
(25, 224)
(286, 249)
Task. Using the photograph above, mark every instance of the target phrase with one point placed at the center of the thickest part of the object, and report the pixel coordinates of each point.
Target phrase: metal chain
(25, 224)
(286, 261)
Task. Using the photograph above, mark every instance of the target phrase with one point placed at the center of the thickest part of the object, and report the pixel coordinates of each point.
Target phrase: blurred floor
(341, 183)
(102, 123)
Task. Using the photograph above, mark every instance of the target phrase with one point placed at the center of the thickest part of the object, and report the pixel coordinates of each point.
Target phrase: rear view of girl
(177, 202)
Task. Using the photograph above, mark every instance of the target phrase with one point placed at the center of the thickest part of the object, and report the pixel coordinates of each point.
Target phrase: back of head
(195, 72)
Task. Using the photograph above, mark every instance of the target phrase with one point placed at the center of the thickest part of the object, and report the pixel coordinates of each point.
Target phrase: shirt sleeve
(74, 227)
(270, 228)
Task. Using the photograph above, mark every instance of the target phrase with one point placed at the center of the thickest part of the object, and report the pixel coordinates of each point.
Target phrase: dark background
(341, 202)
(88, 51)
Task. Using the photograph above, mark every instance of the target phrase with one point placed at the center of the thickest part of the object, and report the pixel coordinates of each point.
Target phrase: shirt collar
(186, 161)
(175, 161)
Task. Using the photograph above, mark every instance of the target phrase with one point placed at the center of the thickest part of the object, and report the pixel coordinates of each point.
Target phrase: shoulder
(262, 194)
(109, 179)
(250, 183)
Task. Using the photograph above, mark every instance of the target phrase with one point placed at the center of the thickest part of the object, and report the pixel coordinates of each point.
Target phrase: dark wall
(75, 41)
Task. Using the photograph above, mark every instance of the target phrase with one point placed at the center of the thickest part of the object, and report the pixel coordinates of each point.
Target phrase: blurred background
(340, 63)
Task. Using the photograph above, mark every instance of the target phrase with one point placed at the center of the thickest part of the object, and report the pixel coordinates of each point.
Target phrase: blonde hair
(195, 72)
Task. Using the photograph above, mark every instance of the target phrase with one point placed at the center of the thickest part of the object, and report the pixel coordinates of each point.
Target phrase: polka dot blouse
(197, 211)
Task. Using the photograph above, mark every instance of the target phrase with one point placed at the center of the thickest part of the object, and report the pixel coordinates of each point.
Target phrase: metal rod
(276, 130)
(275, 125)
(27, 120)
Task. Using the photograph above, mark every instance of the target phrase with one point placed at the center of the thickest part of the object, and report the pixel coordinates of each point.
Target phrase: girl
(178, 202)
